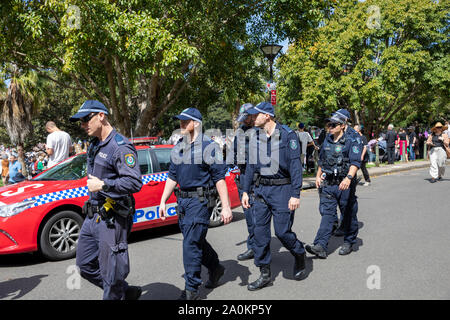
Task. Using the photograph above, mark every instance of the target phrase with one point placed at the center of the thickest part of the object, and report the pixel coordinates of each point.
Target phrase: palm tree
(20, 103)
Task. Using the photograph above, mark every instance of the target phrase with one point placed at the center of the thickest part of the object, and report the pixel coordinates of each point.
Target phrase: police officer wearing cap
(241, 156)
(113, 176)
(199, 170)
(344, 116)
(339, 160)
(277, 192)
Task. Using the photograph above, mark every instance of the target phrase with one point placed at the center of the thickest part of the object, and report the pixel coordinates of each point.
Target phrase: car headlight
(15, 208)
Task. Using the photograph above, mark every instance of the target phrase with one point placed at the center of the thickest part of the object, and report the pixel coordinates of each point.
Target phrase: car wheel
(215, 219)
(59, 237)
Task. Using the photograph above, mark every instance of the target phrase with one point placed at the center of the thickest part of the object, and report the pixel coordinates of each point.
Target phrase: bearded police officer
(339, 160)
(197, 167)
(113, 176)
(277, 192)
(241, 157)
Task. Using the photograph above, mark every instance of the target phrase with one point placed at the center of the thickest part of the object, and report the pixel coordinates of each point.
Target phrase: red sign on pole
(273, 97)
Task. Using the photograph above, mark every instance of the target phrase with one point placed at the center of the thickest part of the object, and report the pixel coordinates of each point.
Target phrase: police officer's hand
(294, 203)
(226, 215)
(245, 201)
(319, 180)
(162, 211)
(345, 184)
(94, 184)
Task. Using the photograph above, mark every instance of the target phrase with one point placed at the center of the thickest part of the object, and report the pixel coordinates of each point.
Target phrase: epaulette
(285, 127)
(119, 139)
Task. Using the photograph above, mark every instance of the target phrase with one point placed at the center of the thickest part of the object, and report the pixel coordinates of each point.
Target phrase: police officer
(197, 167)
(241, 156)
(339, 160)
(277, 192)
(344, 115)
(113, 176)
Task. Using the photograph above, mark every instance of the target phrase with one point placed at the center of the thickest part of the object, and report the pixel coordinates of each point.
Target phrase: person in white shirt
(306, 141)
(59, 144)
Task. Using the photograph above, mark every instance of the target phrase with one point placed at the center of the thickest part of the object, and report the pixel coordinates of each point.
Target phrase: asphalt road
(402, 253)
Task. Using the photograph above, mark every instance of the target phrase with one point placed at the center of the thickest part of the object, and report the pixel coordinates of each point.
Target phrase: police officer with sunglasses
(113, 177)
(339, 160)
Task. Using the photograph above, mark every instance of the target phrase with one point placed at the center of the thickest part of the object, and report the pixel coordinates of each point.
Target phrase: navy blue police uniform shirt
(289, 164)
(114, 162)
(352, 150)
(194, 171)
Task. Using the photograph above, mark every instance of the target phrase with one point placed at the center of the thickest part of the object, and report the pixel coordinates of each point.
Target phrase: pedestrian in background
(403, 143)
(15, 169)
(5, 168)
(437, 140)
(364, 156)
(59, 144)
(413, 142)
(391, 137)
(305, 141)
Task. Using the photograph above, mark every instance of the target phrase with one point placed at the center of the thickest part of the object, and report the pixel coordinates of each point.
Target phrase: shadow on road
(17, 288)
(160, 291)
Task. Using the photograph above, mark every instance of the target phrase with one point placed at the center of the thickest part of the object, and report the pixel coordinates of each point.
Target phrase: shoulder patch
(355, 149)
(293, 144)
(130, 160)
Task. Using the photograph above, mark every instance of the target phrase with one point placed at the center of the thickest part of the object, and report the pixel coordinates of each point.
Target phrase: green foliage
(375, 65)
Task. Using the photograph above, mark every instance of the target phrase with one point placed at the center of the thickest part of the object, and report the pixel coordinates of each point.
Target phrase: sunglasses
(88, 118)
(333, 124)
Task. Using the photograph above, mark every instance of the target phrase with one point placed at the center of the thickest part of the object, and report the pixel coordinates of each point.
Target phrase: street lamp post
(270, 51)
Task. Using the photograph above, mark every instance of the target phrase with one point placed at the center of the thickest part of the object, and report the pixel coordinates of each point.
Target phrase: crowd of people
(18, 165)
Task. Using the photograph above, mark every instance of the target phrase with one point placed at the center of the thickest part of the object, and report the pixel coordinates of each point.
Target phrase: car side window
(144, 161)
(163, 156)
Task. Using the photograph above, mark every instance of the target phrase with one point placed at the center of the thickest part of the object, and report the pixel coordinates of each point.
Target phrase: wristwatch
(350, 176)
(106, 188)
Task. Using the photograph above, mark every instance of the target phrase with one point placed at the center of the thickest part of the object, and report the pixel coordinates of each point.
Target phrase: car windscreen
(72, 169)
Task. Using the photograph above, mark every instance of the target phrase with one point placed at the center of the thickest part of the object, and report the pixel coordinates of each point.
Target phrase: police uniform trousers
(249, 218)
(102, 255)
(330, 199)
(272, 202)
(193, 219)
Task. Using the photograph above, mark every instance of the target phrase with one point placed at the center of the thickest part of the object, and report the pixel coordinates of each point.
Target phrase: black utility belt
(194, 192)
(274, 182)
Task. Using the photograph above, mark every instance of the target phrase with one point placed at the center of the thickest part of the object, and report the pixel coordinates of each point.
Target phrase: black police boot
(249, 254)
(346, 248)
(189, 295)
(316, 250)
(214, 277)
(263, 280)
(133, 293)
(299, 266)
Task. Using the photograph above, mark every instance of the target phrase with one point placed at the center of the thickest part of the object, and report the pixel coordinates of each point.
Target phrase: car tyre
(215, 220)
(59, 236)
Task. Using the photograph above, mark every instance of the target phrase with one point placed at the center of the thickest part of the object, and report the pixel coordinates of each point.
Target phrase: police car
(44, 214)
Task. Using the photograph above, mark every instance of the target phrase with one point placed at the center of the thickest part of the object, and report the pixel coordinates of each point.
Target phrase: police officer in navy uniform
(241, 156)
(277, 192)
(113, 176)
(344, 115)
(197, 166)
(339, 160)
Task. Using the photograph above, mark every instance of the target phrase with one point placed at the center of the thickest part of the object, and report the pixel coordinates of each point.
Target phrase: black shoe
(316, 250)
(433, 180)
(249, 254)
(339, 232)
(299, 266)
(133, 293)
(214, 277)
(345, 249)
(263, 280)
(189, 295)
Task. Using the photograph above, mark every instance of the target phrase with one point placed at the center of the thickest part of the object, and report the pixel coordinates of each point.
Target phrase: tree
(138, 57)
(375, 58)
